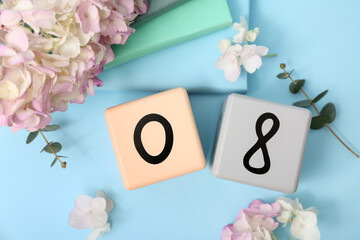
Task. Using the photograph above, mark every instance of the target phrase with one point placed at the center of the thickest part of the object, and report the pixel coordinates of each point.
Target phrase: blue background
(319, 39)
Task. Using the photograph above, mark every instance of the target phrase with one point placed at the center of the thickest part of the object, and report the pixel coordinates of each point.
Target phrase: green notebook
(190, 20)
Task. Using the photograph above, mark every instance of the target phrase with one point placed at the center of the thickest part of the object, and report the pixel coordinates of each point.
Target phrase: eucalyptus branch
(325, 116)
(63, 164)
(271, 55)
(51, 147)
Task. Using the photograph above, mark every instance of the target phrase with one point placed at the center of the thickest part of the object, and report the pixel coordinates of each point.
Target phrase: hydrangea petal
(98, 204)
(79, 219)
(44, 18)
(252, 63)
(223, 45)
(18, 40)
(109, 203)
(70, 48)
(98, 219)
(227, 232)
(98, 232)
(126, 7)
(6, 51)
(9, 18)
(83, 203)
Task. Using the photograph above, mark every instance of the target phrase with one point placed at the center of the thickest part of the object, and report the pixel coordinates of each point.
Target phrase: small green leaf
(45, 147)
(282, 76)
(295, 88)
(330, 111)
(53, 162)
(55, 146)
(31, 137)
(303, 103)
(320, 96)
(50, 128)
(62, 156)
(318, 122)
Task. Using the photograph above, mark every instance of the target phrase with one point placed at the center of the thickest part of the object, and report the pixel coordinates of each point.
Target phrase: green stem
(271, 55)
(292, 237)
(273, 236)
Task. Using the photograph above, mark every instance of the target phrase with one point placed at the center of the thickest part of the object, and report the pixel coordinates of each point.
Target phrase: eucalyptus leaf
(31, 137)
(45, 147)
(55, 146)
(282, 76)
(50, 128)
(320, 96)
(330, 111)
(319, 122)
(53, 162)
(303, 103)
(295, 88)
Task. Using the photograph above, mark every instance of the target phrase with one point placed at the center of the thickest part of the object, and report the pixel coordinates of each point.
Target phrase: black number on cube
(261, 143)
(169, 138)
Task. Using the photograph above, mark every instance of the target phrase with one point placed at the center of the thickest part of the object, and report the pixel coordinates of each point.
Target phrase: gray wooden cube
(261, 143)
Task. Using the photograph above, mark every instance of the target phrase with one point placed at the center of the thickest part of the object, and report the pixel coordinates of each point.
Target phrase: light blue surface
(320, 39)
(189, 65)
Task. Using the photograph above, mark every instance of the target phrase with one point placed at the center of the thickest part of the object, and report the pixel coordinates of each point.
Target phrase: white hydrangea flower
(92, 213)
(303, 222)
(233, 56)
(304, 226)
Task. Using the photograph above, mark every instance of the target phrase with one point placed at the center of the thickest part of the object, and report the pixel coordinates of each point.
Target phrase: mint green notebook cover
(190, 20)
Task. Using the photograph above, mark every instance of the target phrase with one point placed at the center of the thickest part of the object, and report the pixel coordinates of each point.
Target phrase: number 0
(169, 138)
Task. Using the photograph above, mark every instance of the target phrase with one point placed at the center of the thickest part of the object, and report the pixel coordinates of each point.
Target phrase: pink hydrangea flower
(52, 52)
(257, 207)
(254, 222)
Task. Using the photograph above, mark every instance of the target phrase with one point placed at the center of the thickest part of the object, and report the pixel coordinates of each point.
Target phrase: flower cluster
(254, 222)
(233, 56)
(303, 222)
(92, 213)
(257, 221)
(51, 52)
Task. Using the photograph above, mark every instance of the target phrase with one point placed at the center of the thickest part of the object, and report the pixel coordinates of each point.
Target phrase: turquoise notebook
(174, 66)
(190, 20)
